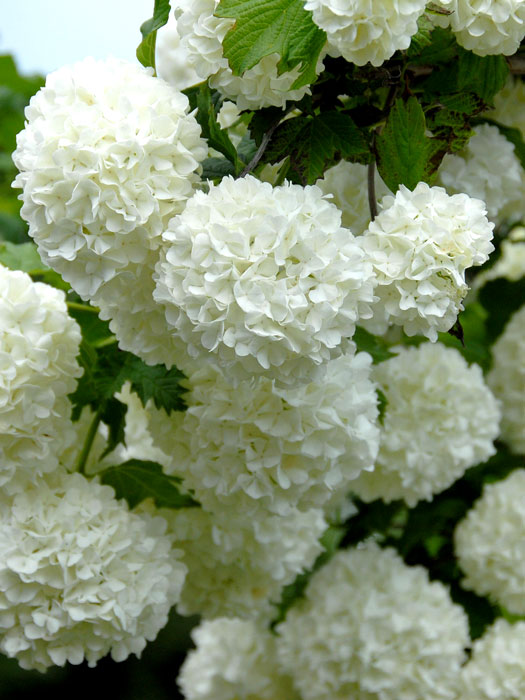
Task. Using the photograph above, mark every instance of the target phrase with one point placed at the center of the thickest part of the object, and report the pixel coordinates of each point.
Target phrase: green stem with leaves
(81, 462)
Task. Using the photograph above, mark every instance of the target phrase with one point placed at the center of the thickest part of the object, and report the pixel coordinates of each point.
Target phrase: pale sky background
(46, 34)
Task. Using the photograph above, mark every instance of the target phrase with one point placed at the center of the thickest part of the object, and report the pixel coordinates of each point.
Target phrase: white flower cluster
(202, 34)
(237, 566)
(511, 263)
(367, 30)
(347, 183)
(39, 345)
(233, 659)
(371, 627)
(509, 105)
(490, 543)
(507, 380)
(420, 244)
(496, 669)
(263, 279)
(254, 446)
(171, 58)
(80, 575)
(107, 156)
(440, 418)
(488, 169)
(487, 27)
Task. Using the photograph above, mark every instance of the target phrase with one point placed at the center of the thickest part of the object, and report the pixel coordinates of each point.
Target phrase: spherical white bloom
(237, 566)
(347, 182)
(367, 30)
(107, 156)
(80, 575)
(507, 380)
(233, 659)
(511, 263)
(371, 627)
(440, 419)
(172, 62)
(254, 445)
(421, 244)
(490, 543)
(263, 279)
(488, 169)
(496, 669)
(39, 345)
(202, 34)
(509, 105)
(487, 27)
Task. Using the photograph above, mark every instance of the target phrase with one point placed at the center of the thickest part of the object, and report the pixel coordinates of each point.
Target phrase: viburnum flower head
(486, 28)
(420, 244)
(262, 279)
(39, 345)
(80, 575)
(365, 31)
(254, 445)
(509, 105)
(440, 419)
(496, 669)
(507, 380)
(369, 627)
(233, 659)
(490, 543)
(202, 34)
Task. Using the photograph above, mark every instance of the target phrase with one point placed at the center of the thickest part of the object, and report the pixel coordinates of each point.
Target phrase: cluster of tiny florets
(440, 418)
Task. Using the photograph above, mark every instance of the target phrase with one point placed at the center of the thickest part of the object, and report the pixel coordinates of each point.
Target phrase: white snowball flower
(233, 659)
(496, 669)
(347, 182)
(488, 169)
(80, 575)
(172, 62)
(487, 27)
(365, 31)
(201, 38)
(420, 244)
(490, 543)
(440, 419)
(509, 105)
(254, 445)
(237, 566)
(107, 156)
(507, 380)
(511, 263)
(39, 344)
(262, 279)
(371, 627)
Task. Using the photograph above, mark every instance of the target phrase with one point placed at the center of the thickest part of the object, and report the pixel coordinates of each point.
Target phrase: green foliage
(207, 117)
(372, 344)
(501, 298)
(137, 480)
(146, 48)
(272, 26)
(114, 416)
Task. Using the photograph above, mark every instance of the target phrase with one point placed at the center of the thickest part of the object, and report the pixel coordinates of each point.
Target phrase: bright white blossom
(507, 380)
(262, 279)
(233, 659)
(496, 669)
(81, 576)
(487, 27)
(202, 34)
(39, 345)
(421, 243)
(108, 155)
(347, 183)
(440, 418)
(255, 445)
(509, 105)
(367, 30)
(490, 543)
(488, 169)
(237, 566)
(371, 627)
(172, 62)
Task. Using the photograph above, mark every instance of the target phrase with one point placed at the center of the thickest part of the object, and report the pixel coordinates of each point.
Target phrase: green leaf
(157, 383)
(216, 168)
(207, 117)
(501, 298)
(148, 29)
(372, 344)
(136, 480)
(114, 416)
(404, 151)
(482, 75)
(264, 27)
(476, 343)
(314, 143)
(422, 38)
(442, 49)
(21, 256)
